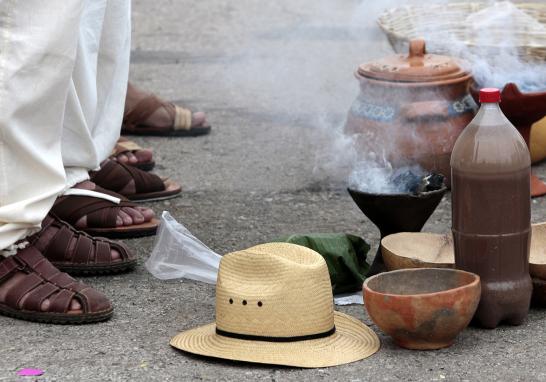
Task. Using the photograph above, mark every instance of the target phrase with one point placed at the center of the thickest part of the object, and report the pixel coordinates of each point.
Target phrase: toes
(116, 256)
(126, 218)
(119, 221)
(122, 158)
(132, 158)
(45, 305)
(171, 186)
(75, 305)
(144, 155)
(198, 119)
(135, 214)
(146, 212)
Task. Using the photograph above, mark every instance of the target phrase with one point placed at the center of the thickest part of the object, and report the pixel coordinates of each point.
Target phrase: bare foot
(163, 116)
(127, 215)
(134, 156)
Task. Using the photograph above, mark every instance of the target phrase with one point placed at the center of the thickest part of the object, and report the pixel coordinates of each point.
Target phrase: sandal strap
(24, 286)
(87, 250)
(38, 283)
(43, 281)
(115, 176)
(182, 118)
(35, 300)
(100, 213)
(9, 266)
(61, 301)
(142, 111)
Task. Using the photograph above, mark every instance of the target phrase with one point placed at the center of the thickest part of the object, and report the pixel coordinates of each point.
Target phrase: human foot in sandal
(130, 153)
(76, 252)
(32, 289)
(134, 184)
(104, 213)
(146, 114)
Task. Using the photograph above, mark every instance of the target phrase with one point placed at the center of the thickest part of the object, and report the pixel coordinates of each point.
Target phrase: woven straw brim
(351, 342)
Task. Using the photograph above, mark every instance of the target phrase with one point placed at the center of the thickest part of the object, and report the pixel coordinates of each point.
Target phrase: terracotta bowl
(424, 308)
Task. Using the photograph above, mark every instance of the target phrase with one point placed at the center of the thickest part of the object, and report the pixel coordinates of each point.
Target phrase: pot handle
(425, 110)
(417, 51)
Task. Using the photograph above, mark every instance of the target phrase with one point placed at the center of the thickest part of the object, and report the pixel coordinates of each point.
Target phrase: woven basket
(446, 25)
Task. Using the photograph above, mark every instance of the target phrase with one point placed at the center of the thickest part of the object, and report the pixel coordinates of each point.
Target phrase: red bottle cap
(490, 95)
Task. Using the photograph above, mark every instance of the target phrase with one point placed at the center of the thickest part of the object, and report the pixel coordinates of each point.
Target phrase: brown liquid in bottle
(492, 214)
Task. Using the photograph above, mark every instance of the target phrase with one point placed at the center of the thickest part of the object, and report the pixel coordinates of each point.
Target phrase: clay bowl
(428, 250)
(422, 309)
(537, 258)
(417, 250)
(425, 250)
(537, 265)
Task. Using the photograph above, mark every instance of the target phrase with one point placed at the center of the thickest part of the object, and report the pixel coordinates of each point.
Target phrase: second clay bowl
(422, 309)
(421, 250)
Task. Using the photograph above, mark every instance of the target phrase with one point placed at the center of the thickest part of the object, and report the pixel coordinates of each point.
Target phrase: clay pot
(412, 108)
(422, 308)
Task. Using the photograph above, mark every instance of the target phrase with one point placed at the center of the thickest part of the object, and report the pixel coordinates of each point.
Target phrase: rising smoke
(300, 85)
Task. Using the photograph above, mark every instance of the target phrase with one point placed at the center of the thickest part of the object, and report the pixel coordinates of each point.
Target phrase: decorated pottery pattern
(383, 113)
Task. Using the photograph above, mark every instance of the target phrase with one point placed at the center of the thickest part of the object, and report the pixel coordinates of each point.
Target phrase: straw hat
(274, 305)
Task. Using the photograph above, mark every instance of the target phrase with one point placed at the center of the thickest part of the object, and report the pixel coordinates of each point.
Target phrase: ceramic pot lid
(417, 66)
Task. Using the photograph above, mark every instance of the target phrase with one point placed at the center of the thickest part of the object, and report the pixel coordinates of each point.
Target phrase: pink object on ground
(30, 372)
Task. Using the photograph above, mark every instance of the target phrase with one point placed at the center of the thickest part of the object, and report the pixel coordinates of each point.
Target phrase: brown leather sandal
(101, 215)
(115, 176)
(76, 252)
(125, 146)
(43, 281)
(134, 120)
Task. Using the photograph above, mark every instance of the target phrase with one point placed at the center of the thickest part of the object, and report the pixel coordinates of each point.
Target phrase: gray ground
(276, 79)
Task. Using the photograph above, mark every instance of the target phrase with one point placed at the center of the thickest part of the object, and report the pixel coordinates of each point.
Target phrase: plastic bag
(355, 298)
(179, 254)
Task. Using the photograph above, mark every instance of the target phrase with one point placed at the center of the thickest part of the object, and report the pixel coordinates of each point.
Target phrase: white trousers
(64, 68)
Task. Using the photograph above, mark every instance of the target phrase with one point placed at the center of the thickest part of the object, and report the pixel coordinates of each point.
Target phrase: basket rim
(387, 27)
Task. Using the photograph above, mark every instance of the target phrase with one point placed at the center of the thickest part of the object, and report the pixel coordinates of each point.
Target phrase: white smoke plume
(296, 84)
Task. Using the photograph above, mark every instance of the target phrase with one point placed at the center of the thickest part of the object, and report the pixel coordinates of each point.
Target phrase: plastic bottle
(491, 205)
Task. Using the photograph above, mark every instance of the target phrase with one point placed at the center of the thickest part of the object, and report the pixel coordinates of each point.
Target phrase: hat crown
(274, 290)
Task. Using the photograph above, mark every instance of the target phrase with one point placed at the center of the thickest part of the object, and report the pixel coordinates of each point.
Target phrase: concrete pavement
(276, 80)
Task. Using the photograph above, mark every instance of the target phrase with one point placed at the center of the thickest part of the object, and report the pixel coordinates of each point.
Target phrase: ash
(386, 180)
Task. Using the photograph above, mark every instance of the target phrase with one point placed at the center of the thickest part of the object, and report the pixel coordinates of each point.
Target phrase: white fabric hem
(75, 175)
(13, 249)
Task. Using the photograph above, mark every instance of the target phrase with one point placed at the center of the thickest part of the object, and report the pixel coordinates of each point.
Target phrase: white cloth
(63, 76)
